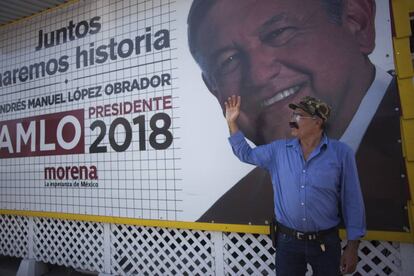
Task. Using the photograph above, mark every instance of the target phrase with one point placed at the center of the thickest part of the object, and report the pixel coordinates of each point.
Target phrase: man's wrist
(353, 244)
(233, 127)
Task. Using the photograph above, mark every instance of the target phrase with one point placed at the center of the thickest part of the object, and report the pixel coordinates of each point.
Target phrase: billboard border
(218, 227)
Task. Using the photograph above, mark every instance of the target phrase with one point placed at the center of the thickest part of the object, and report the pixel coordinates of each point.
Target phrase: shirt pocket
(326, 177)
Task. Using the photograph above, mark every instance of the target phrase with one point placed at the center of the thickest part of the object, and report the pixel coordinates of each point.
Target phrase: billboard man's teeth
(280, 96)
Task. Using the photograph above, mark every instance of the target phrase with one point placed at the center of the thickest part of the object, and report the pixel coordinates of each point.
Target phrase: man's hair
(200, 8)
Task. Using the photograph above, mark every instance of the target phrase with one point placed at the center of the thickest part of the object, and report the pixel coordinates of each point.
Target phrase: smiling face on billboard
(272, 52)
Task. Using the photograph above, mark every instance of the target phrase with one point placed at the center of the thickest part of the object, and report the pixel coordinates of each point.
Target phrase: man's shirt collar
(295, 142)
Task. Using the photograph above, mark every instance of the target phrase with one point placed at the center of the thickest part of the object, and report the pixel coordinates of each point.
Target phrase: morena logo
(71, 172)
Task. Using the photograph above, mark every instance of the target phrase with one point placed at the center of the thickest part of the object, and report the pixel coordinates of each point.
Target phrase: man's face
(274, 52)
(306, 124)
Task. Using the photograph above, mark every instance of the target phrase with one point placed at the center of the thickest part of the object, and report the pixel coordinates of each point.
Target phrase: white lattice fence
(14, 233)
(160, 251)
(254, 255)
(248, 254)
(132, 250)
(379, 258)
(69, 243)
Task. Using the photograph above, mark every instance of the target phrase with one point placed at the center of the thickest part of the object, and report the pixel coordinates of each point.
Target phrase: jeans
(292, 256)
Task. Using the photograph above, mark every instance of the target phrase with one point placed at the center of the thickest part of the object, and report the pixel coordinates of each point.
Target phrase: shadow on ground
(10, 265)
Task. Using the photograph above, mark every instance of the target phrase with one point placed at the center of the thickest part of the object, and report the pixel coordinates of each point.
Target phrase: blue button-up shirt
(310, 194)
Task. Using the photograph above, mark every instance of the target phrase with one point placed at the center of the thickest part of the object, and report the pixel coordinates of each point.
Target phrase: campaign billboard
(107, 110)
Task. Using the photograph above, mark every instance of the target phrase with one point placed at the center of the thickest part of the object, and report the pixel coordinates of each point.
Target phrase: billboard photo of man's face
(272, 52)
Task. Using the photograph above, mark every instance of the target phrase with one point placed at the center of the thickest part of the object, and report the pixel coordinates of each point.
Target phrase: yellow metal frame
(404, 70)
(239, 228)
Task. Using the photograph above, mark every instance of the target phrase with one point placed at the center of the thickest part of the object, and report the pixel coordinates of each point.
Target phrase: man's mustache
(293, 125)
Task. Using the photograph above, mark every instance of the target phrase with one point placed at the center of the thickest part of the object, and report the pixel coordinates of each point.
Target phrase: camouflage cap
(313, 106)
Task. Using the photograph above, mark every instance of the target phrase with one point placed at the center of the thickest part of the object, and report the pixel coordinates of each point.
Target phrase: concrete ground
(10, 265)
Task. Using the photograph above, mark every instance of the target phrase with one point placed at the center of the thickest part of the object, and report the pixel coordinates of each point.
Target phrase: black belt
(310, 236)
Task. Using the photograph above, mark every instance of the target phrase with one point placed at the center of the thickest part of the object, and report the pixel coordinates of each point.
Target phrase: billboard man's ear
(359, 18)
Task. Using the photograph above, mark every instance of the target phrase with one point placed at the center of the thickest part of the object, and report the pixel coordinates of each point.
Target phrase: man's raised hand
(232, 108)
(232, 112)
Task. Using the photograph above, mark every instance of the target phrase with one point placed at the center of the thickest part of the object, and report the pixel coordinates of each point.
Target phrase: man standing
(315, 183)
(272, 52)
